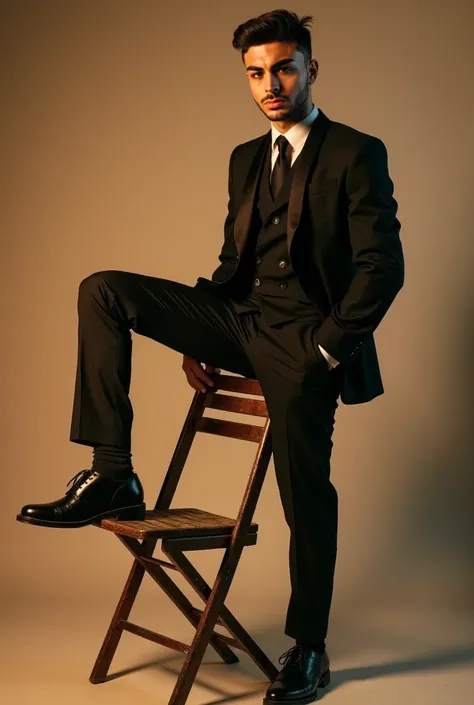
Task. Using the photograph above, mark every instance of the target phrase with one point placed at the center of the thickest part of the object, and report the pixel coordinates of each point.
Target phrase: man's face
(278, 70)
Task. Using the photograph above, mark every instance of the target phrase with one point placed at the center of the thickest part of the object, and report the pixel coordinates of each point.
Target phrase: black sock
(112, 462)
(318, 646)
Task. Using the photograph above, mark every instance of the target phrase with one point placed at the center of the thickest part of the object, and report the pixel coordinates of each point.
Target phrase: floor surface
(382, 659)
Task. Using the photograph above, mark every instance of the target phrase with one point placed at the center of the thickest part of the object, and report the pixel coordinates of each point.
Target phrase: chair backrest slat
(237, 384)
(240, 405)
(231, 429)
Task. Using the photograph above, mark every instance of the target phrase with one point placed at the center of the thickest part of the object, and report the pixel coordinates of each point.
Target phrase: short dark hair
(274, 26)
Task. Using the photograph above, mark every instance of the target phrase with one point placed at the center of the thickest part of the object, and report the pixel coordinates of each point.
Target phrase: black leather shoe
(90, 498)
(305, 671)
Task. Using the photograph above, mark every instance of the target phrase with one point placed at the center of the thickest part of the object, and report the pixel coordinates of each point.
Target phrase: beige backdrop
(118, 119)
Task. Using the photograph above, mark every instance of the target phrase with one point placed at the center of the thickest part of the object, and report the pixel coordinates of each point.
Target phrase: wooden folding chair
(193, 529)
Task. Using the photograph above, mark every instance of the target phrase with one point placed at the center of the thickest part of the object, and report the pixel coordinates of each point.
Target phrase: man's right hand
(196, 375)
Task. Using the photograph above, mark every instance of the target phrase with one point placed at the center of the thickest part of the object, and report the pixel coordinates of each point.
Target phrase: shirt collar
(297, 134)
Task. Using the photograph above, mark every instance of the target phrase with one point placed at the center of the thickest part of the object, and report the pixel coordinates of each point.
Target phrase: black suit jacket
(343, 240)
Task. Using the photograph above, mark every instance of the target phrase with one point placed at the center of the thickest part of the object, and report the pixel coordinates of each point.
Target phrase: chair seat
(175, 523)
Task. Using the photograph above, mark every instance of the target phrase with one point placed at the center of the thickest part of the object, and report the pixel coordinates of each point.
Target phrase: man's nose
(271, 84)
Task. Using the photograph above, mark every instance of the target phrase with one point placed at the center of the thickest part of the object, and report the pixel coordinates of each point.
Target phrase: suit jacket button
(283, 285)
(275, 220)
(258, 260)
(257, 282)
(282, 263)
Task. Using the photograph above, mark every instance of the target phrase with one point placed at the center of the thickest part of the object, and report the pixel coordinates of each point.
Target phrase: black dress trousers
(300, 391)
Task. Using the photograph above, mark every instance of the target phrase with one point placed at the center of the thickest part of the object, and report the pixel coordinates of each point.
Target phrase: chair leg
(195, 654)
(189, 572)
(112, 638)
(206, 625)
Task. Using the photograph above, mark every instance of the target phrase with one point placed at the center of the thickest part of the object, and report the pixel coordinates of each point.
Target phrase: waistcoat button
(283, 285)
(258, 260)
(257, 282)
(282, 263)
(275, 220)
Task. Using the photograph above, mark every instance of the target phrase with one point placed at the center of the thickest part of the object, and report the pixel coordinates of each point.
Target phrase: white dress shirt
(296, 136)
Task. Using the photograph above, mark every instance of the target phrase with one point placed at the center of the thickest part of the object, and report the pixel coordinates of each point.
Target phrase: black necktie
(282, 165)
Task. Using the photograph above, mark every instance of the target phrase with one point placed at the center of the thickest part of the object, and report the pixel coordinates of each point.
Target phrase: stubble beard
(294, 113)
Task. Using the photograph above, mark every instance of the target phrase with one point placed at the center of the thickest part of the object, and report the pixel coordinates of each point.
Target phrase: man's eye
(283, 68)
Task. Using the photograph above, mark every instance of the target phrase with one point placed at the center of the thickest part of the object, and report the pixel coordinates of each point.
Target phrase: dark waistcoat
(268, 282)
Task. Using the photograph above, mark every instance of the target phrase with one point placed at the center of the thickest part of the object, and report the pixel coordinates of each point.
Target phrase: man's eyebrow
(277, 64)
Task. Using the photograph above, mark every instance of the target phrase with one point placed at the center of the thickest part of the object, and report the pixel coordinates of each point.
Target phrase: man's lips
(274, 103)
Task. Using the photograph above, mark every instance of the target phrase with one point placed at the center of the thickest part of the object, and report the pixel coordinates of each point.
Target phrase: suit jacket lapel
(301, 169)
(244, 215)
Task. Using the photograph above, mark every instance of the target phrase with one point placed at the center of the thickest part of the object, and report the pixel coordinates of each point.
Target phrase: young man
(311, 262)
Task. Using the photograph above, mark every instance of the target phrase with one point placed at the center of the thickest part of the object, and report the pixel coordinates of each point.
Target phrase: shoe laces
(296, 655)
(82, 475)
